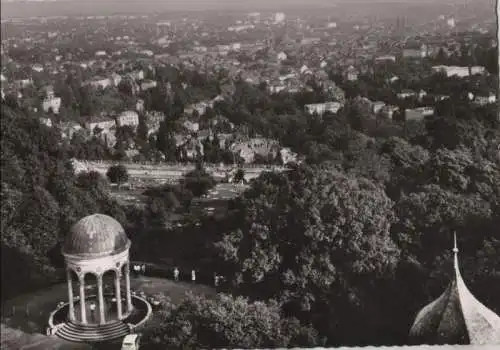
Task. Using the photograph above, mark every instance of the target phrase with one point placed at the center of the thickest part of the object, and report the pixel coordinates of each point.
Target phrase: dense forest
(41, 199)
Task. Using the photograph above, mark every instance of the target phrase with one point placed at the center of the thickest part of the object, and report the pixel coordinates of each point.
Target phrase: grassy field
(24, 318)
(222, 192)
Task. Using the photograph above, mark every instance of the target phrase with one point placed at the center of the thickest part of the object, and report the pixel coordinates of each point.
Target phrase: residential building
(51, 102)
(148, 84)
(116, 79)
(21, 83)
(261, 146)
(104, 123)
(190, 126)
(388, 111)
(37, 67)
(458, 71)
(418, 113)
(68, 129)
(385, 58)
(137, 75)
(281, 56)
(192, 148)
(377, 106)
(99, 82)
(287, 156)
(46, 121)
(139, 105)
(352, 74)
(422, 94)
(414, 53)
(483, 100)
(101, 53)
(321, 108)
(128, 118)
(406, 94)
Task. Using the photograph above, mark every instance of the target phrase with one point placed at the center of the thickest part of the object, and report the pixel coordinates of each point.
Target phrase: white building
(418, 113)
(406, 94)
(321, 108)
(281, 56)
(21, 83)
(51, 103)
(104, 123)
(486, 99)
(287, 156)
(99, 82)
(386, 58)
(274, 89)
(148, 84)
(46, 121)
(458, 71)
(128, 118)
(101, 53)
(37, 67)
(137, 75)
(116, 79)
(352, 74)
(377, 106)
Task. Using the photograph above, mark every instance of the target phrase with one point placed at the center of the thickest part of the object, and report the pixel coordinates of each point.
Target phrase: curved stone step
(92, 333)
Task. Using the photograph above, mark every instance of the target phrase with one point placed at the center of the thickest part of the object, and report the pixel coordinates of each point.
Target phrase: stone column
(101, 300)
(118, 294)
(83, 310)
(70, 296)
(127, 286)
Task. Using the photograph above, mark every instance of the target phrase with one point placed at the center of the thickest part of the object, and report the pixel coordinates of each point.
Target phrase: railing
(167, 272)
(106, 163)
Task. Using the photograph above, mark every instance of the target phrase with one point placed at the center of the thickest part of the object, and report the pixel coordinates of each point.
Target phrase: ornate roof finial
(455, 253)
(456, 317)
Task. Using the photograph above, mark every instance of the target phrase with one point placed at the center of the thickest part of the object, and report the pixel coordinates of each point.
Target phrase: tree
(316, 240)
(199, 182)
(227, 322)
(41, 199)
(165, 142)
(117, 174)
(239, 176)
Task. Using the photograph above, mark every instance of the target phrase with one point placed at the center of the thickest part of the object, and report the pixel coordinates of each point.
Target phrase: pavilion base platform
(93, 332)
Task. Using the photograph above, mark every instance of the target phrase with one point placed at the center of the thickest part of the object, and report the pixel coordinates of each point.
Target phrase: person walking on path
(193, 276)
(176, 274)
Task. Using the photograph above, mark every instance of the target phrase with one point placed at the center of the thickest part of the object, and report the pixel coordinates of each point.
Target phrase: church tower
(456, 317)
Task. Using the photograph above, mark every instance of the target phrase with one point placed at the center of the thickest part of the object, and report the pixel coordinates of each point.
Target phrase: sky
(27, 8)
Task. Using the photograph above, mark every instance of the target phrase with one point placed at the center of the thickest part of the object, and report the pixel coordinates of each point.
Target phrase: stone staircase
(93, 333)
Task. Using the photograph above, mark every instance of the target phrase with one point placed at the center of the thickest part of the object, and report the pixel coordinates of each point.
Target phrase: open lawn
(24, 318)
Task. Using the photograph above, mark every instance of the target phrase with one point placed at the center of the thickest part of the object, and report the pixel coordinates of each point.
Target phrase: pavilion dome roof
(95, 236)
(456, 317)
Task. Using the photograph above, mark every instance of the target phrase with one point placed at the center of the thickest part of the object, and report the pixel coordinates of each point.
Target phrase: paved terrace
(176, 170)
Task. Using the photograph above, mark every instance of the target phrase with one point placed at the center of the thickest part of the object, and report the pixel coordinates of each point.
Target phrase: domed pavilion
(456, 317)
(100, 303)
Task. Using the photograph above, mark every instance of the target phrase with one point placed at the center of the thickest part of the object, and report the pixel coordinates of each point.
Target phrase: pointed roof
(456, 317)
